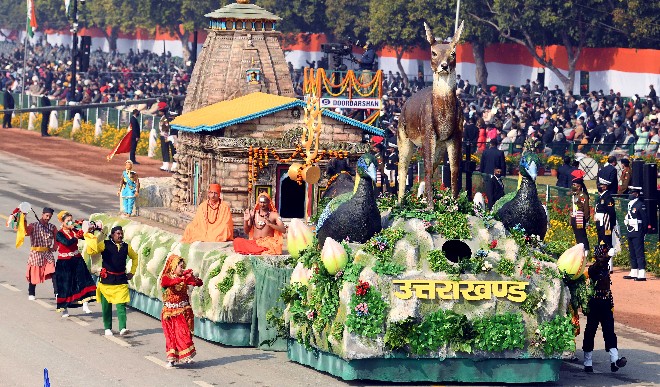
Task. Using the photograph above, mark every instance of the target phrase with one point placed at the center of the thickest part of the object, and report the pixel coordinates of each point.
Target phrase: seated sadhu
(265, 228)
(212, 221)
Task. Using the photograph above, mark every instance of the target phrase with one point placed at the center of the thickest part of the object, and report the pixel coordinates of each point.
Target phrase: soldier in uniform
(636, 224)
(601, 304)
(626, 175)
(605, 214)
(580, 209)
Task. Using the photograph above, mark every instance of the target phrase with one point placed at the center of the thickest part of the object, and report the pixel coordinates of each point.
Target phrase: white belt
(71, 254)
(171, 305)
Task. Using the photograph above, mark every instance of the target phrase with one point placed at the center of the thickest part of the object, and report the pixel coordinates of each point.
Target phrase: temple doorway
(290, 195)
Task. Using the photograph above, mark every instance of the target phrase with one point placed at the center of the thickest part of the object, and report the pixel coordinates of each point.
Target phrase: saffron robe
(210, 225)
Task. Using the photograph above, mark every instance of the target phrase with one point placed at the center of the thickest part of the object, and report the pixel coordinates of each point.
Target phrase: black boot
(618, 364)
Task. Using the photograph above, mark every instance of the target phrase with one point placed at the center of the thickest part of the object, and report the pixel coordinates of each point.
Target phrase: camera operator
(368, 58)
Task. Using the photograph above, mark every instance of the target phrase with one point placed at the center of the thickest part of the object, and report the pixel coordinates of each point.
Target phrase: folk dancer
(636, 224)
(212, 221)
(601, 305)
(112, 287)
(264, 226)
(580, 209)
(129, 189)
(177, 316)
(74, 282)
(41, 263)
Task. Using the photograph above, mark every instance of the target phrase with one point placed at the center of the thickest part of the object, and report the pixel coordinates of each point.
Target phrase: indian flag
(31, 18)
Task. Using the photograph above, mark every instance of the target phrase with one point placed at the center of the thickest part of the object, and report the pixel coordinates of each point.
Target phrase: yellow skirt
(115, 294)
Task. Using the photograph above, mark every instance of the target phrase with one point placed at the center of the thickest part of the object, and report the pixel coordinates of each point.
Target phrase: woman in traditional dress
(177, 315)
(75, 285)
(129, 189)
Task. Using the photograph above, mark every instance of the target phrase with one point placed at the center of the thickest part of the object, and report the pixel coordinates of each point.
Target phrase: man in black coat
(564, 173)
(9, 104)
(491, 160)
(494, 188)
(135, 134)
(608, 175)
(45, 116)
(470, 136)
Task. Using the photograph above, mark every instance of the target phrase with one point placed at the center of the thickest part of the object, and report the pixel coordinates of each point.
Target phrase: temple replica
(430, 289)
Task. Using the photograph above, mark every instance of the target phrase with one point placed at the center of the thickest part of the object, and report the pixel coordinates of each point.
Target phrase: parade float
(429, 287)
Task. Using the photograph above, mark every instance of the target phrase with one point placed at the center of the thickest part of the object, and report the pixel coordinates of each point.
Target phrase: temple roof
(249, 107)
(242, 12)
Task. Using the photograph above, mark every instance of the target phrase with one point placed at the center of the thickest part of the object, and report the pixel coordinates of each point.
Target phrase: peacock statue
(525, 208)
(341, 181)
(353, 215)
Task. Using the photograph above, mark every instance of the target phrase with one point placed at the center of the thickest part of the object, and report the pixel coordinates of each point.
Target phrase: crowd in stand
(597, 120)
(111, 77)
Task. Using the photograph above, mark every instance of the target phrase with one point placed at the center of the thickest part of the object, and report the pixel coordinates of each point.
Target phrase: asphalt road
(76, 353)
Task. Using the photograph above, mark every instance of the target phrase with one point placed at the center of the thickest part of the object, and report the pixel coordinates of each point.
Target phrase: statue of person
(212, 221)
(264, 227)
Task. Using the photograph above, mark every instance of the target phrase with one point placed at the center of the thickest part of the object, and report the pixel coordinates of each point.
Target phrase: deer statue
(433, 120)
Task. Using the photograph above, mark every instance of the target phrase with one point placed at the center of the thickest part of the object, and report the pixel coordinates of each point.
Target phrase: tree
(298, 15)
(479, 35)
(400, 24)
(112, 16)
(49, 13)
(638, 21)
(540, 23)
(350, 18)
(182, 17)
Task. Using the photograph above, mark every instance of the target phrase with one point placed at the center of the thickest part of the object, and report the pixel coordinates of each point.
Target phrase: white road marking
(4, 217)
(87, 205)
(117, 341)
(202, 383)
(157, 361)
(78, 321)
(3, 178)
(11, 287)
(44, 304)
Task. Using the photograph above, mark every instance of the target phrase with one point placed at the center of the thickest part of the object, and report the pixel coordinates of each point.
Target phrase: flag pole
(25, 43)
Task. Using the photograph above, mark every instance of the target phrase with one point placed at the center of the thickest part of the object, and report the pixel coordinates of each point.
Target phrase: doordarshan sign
(356, 103)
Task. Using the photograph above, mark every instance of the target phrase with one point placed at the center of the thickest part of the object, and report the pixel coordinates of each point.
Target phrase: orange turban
(214, 188)
(271, 206)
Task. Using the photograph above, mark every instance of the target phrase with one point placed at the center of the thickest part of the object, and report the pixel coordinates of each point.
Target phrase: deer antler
(429, 34)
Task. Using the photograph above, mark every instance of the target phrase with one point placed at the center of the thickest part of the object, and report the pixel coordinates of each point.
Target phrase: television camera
(337, 52)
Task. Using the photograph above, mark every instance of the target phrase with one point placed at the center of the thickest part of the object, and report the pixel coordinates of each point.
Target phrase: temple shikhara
(241, 55)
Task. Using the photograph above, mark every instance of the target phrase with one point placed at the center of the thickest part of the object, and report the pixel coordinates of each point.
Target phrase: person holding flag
(41, 263)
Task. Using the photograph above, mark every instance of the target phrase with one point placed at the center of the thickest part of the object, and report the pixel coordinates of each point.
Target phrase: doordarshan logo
(367, 103)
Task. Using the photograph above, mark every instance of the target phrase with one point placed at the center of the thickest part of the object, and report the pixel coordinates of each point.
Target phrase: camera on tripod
(336, 52)
(341, 49)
